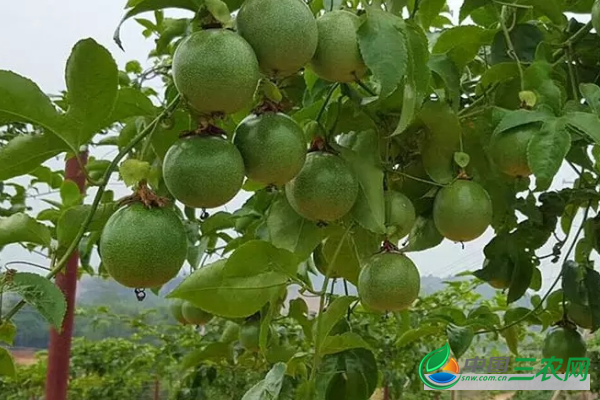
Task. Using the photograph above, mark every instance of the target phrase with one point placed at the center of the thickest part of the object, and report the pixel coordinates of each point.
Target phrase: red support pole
(59, 352)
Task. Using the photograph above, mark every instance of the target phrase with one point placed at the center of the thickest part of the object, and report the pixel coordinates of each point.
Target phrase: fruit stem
(111, 168)
(323, 294)
(389, 247)
(365, 87)
(558, 278)
(327, 99)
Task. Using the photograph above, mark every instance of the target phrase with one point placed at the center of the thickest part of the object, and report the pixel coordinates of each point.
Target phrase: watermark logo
(438, 370)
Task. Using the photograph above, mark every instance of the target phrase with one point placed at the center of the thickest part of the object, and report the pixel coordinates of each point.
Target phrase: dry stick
(524, 317)
(316, 359)
(113, 165)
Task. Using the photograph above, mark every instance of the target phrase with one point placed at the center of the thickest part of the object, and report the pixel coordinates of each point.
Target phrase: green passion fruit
(194, 315)
(273, 147)
(283, 33)
(564, 343)
(143, 247)
(325, 189)
(462, 211)
(508, 150)
(203, 171)
(216, 71)
(176, 308)
(400, 215)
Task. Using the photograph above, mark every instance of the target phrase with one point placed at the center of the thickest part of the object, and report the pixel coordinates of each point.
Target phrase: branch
(113, 166)
(511, 47)
(577, 36)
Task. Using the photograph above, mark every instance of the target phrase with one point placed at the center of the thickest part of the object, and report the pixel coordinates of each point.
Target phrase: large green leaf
(131, 103)
(585, 123)
(7, 364)
(22, 228)
(270, 387)
(349, 375)
(469, 6)
(444, 68)
(591, 94)
(441, 140)
(347, 263)
(525, 39)
(92, 84)
(25, 153)
(429, 10)
(592, 284)
(153, 5)
(290, 231)
(547, 150)
(462, 43)
(412, 335)
(539, 78)
(459, 338)
(41, 294)
(334, 313)
(383, 48)
(345, 341)
(21, 100)
(520, 117)
(235, 294)
(258, 256)
(423, 235)
(552, 9)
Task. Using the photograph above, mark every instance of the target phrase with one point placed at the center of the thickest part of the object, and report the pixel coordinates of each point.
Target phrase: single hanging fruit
(143, 247)
(194, 315)
(203, 171)
(216, 71)
(283, 33)
(563, 343)
(389, 281)
(508, 150)
(273, 147)
(324, 190)
(462, 211)
(400, 215)
(337, 58)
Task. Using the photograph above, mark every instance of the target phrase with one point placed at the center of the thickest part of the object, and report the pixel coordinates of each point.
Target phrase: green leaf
(412, 335)
(21, 100)
(347, 264)
(219, 10)
(591, 93)
(349, 375)
(462, 43)
(383, 47)
(299, 312)
(92, 80)
(22, 228)
(521, 276)
(525, 39)
(131, 103)
(134, 171)
(216, 351)
(41, 294)
(469, 6)
(270, 90)
(428, 10)
(423, 235)
(447, 71)
(7, 364)
(441, 140)
(290, 231)
(551, 9)
(416, 86)
(71, 220)
(512, 339)
(369, 208)
(25, 153)
(585, 123)
(592, 284)
(459, 338)
(328, 319)
(345, 341)
(8, 332)
(270, 387)
(539, 79)
(153, 5)
(230, 296)
(69, 194)
(546, 152)
(521, 117)
(258, 256)
(497, 74)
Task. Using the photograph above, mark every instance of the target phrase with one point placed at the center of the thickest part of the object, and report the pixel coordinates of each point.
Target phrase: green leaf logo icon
(437, 358)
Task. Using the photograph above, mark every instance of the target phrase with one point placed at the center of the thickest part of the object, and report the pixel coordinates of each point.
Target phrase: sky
(37, 37)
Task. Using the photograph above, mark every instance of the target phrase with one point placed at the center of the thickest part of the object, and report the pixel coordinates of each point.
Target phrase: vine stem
(511, 47)
(417, 179)
(112, 167)
(572, 76)
(319, 326)
(569, 251)
(327, 99)
(577, 36)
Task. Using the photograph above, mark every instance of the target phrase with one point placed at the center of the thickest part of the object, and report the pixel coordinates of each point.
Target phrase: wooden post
(156, 388)
(59, 352)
